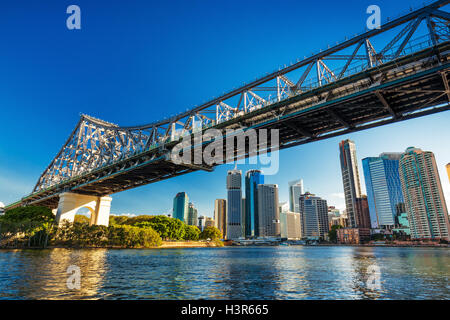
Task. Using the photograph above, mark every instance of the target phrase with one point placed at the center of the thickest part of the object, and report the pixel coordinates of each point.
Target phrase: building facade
(209, 222)
(192, 215)
(234, 204)
(314, 217)
(252, 179)
(220, 215)
(290, 225)
(424, 198)
(384, 189)
(201, 222)
(353, 235)
(181, 206)
(350, 180)
(269, 214)
(363, 214)
(448, 170)
(296, 189)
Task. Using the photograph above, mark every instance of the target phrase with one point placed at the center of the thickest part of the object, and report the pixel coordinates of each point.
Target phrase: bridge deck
(408, 87)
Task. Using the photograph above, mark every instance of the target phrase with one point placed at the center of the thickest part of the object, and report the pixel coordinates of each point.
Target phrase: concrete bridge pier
(70, 203)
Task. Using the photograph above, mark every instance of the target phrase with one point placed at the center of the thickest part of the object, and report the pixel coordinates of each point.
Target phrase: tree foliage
(211, 233)
(82, 219)
(332, 234)
(35, 226)
(30, 213)
(191, 233)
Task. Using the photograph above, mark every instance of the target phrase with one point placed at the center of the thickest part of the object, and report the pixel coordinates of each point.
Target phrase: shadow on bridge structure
(394, 73)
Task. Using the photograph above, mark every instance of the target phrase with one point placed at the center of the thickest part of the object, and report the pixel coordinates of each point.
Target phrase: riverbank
(164, 245)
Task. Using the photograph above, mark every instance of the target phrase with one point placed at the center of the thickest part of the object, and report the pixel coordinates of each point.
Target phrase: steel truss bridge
(382, 76)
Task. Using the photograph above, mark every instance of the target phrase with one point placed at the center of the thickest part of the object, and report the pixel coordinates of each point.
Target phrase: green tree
(211, 233)
(28, 213)
(191, 233)
(332, 234)
(82, 219)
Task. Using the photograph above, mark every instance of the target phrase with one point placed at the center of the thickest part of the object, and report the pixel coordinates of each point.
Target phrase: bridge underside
(409, 87)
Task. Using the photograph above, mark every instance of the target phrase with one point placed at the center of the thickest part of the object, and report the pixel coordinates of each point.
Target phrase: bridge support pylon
(70, 203)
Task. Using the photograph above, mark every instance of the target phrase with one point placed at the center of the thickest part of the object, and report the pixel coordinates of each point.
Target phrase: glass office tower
(296, 189)
(384, 189)
(252, 179)
(234, 204)
(180, 206)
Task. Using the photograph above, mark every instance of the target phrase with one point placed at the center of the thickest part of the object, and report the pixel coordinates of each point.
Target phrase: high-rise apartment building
(313, 216)
(350, 179)
(220, 215)
(268, 212)
(252, 179)
(424, 198)
(192, 215)
(234, 204)
(296, 189)
(384, 189)
(181, 206)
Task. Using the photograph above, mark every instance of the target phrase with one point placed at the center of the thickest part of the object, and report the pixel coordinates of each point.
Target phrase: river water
(295, 272)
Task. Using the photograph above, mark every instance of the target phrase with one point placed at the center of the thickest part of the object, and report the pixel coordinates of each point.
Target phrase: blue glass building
(180, 206)
(384, 189)
(234, 204)
(252, 179)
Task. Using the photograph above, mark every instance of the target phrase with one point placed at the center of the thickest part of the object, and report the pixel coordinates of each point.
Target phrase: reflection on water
(227, 273)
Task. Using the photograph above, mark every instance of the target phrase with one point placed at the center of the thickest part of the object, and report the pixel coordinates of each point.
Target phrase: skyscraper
(252, 179)
(448, 170)
(384, 189)
(268, 212)
(234, 204)
(313, 216)
(296, 189)
(220, 215)
(350, 179)
(180, 206)
(424, 198)
(192, 215)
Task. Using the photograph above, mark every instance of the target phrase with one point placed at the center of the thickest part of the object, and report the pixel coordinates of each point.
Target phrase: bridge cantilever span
(373, 82)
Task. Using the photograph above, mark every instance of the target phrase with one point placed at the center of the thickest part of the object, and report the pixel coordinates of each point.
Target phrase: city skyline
(53, 105)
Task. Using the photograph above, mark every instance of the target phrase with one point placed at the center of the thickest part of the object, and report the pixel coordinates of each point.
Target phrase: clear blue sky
(134, 62)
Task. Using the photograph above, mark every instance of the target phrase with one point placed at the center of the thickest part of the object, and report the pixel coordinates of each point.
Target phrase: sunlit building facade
(290, 225)
(448, 170)
(350, 180)
(314, 217)
(220, 215)
(424, 198)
